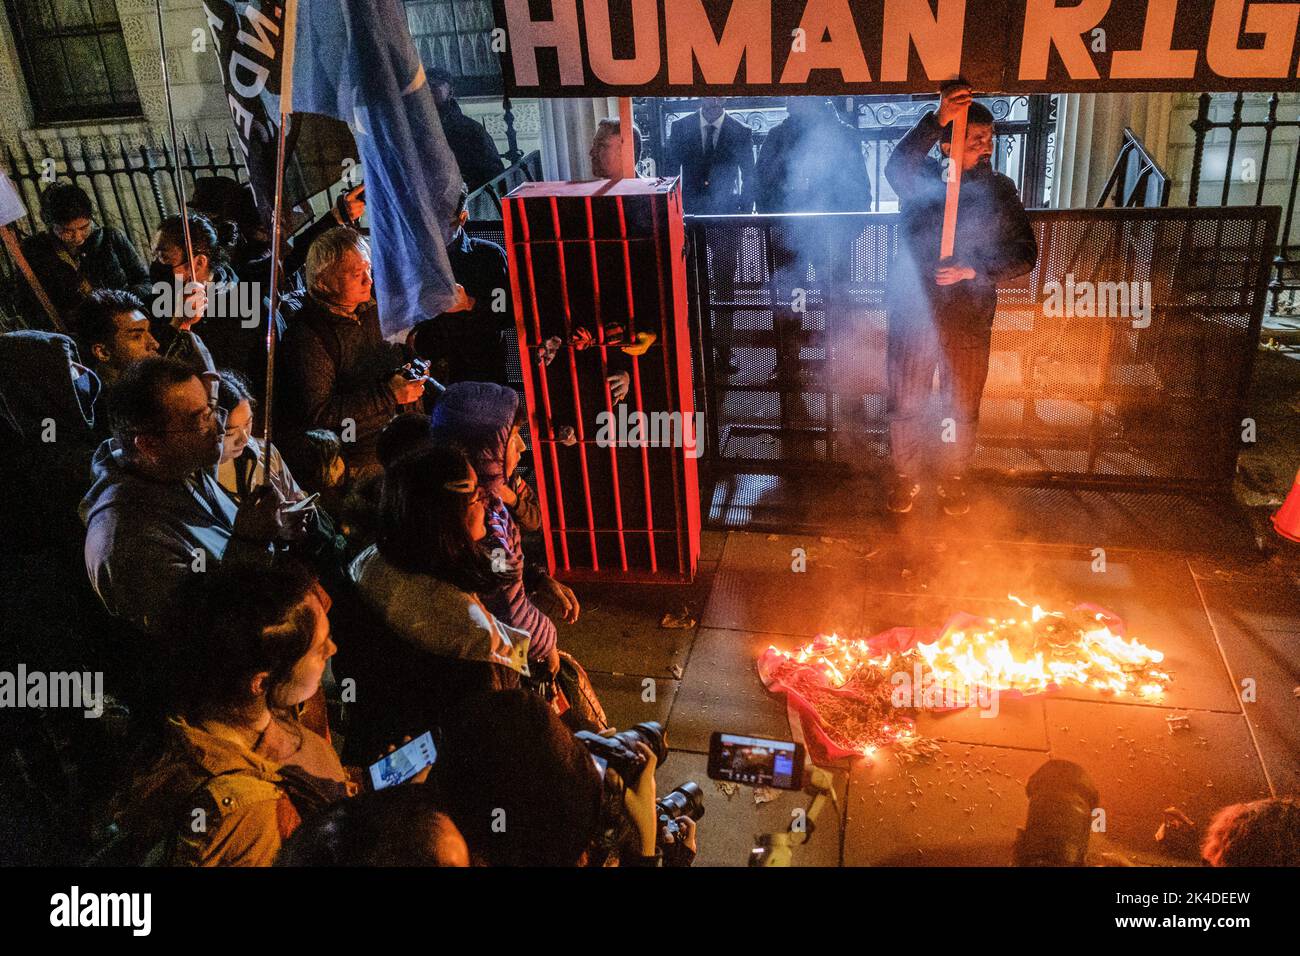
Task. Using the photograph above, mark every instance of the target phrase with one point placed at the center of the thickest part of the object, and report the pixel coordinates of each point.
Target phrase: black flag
(320, 150)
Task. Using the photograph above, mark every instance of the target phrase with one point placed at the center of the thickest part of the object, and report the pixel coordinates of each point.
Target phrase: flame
(849, 683)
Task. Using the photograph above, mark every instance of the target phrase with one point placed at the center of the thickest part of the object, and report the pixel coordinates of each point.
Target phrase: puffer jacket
(478, 416)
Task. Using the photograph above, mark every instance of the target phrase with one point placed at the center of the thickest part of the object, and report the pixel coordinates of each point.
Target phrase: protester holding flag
(941, 311)
(358, 63)
(178, 298)
(468, 342)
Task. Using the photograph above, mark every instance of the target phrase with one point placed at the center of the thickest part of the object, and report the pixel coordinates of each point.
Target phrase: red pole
(573, 378)
(546, 394)
(636, 382)
(604, 371)
(956, 154)
(664, 339)
(525, 350)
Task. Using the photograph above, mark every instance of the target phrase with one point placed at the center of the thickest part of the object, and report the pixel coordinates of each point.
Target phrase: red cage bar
(569, 245)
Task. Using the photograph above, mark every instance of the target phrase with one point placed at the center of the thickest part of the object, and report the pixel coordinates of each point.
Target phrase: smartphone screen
(404, 762)
(756, 761)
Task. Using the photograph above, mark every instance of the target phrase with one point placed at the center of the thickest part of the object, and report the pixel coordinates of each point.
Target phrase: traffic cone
(1287, 520)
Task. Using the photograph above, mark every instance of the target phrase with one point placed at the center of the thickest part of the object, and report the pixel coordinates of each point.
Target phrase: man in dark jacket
(714, 153)
(155, 512)
(941, 313)
(468, 344)
(75, 256)
(476, 154)
(811, 162)
(335, 370)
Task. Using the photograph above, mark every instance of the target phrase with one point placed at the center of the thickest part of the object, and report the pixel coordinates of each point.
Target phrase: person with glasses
(155, 512)
(75, 255)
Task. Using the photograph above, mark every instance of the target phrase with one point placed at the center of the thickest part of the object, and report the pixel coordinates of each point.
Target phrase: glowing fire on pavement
(851, 685)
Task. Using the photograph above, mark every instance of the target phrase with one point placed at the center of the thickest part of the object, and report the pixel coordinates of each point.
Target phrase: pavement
(1183, 573)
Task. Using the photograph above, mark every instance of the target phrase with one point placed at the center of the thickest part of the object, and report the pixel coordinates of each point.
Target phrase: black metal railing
(1136, 179)
(485, 202)
(1286, 264)
(132, 187)
(1072, 397)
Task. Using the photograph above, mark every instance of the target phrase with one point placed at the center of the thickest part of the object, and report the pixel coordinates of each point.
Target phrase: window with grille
(74, 59)
(457, 37)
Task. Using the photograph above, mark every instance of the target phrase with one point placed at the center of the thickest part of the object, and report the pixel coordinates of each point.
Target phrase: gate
(1074, 397)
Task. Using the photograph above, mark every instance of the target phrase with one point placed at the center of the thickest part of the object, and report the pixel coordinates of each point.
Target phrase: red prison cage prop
(598, 278)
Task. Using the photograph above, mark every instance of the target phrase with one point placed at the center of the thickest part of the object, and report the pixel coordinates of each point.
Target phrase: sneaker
(902, 492)
(952, 492)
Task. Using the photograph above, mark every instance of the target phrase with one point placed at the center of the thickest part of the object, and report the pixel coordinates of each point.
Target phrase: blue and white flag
(248, 39)
(357, 63)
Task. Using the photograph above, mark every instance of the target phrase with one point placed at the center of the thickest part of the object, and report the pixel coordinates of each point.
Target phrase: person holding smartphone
(240, 769)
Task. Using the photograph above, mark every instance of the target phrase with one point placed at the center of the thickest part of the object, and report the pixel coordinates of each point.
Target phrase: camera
(1059, 821)
(686, 801)
(618, 750)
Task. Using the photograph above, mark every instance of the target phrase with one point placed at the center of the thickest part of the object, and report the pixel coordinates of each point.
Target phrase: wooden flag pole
(20, 260)
(956, 153)
(286, 107)
(628, 164)
(178, 179)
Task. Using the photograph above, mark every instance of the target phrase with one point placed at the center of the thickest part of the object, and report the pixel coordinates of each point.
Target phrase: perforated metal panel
(1069, 396)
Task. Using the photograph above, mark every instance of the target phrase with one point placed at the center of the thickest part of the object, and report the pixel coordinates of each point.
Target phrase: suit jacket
(717, 184)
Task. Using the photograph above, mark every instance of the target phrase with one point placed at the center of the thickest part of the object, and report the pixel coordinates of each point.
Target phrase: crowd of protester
(212, 575)
(272, 616)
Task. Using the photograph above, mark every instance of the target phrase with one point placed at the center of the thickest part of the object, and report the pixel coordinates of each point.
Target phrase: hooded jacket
(143, 536)
(471, 144)
(478, 416)
(49, 432)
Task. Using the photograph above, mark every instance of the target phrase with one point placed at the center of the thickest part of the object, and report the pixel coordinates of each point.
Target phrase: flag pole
(286, 107)
(956, 156)
(16, 253)
(627, 155)
(178, 181)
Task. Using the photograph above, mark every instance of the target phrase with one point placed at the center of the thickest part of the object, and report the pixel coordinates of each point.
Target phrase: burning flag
(854, 697)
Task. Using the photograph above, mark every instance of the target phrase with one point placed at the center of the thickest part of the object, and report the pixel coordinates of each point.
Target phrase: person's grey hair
(614, 127)
(328, 250)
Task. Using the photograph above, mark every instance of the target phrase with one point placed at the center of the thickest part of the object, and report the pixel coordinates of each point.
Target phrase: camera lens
(651, 733)
(686, 801)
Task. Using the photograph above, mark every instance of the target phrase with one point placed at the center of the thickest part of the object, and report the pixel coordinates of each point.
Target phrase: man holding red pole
(942, 290)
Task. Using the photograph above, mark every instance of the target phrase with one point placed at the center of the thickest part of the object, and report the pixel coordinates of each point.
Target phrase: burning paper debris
(856, 696)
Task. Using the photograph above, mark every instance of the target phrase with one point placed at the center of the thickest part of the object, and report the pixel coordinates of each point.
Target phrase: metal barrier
(1286, 267)
(1071, 397)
